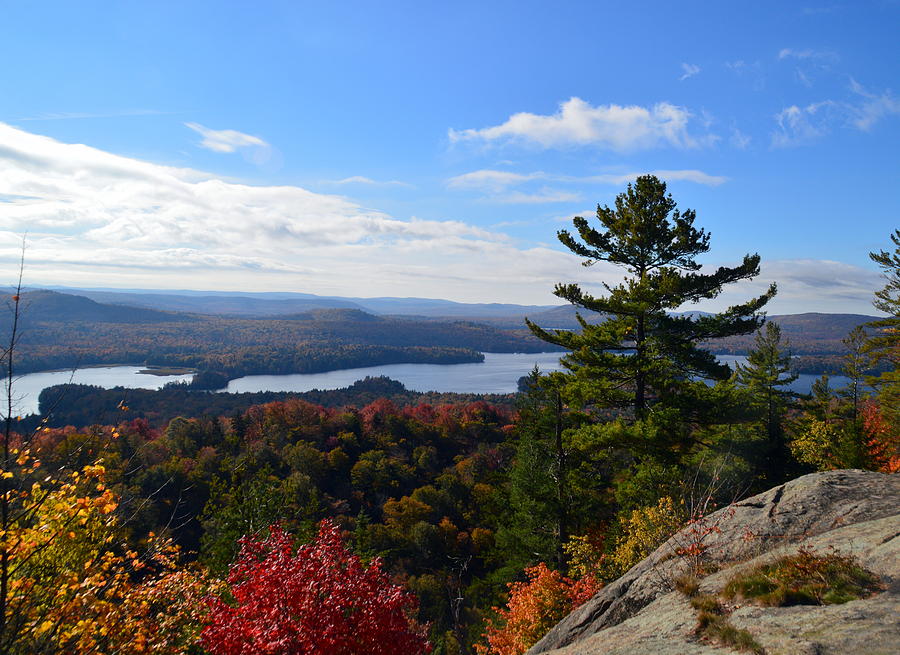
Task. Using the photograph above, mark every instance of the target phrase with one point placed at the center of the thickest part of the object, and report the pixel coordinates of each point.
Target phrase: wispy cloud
(497, 181)
(807, 53)
(739, 140)
(361, 179)
(812, 285)
(873, 107)
(577, 123)
(76, 115)
(543, 196)
(492, 180)
(802, 125)
(689, 70)
(752, 71)
(687, 175)
(225, 140)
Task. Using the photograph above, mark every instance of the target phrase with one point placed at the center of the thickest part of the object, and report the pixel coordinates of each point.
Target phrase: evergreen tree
(884, 343)
(643, 357)
(854, 368)
(767, 376)
(539, 485)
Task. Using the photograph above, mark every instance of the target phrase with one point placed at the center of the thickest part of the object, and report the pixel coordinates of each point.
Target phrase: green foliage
(643, 531)
(247, 506)
(716, 627)
(883, 344)
(766, 377)
(805, 578)
(642, 356)
(545, 499)
(305, 343)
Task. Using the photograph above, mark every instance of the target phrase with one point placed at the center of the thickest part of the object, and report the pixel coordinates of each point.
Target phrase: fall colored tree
(75, 588)
(882, 441)
(534, 607)
(318, 599)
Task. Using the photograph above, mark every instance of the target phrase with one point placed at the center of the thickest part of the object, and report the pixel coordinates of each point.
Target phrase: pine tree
(540, 493)
(883, 344)
(767, 376)
(642, 356)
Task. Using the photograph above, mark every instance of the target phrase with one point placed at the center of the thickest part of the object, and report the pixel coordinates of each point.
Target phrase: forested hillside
(311, 342)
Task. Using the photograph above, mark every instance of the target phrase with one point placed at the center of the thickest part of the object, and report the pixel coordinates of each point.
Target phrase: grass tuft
(706, 604)
(687, 584)
(717, 628)
(805, 578)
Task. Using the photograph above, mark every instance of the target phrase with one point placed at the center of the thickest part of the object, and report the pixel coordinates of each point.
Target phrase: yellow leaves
(95, 597)
(6, 474)
(94, 470)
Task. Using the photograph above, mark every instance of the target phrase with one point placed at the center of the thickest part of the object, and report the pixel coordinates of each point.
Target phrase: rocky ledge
(853, 512)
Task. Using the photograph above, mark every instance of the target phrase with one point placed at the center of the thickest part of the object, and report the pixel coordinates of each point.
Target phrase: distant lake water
(27, 388)
(498, 373)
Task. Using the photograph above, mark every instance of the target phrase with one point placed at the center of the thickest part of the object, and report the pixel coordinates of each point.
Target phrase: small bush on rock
(805, 578)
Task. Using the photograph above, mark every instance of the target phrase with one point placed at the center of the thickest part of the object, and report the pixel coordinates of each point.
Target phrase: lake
(27, 388)
(498, 373)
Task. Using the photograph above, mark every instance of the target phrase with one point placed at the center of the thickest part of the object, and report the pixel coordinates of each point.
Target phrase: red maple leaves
(319, 600)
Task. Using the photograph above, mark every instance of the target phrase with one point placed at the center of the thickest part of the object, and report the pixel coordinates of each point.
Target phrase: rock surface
(856, 512)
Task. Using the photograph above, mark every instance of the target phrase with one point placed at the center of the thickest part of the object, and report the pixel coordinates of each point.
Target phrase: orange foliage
(534, 607)
(882, 441)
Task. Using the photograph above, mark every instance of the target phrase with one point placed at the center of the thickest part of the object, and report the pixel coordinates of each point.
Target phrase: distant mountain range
(808, 333)
(40, 305)
(280, 303)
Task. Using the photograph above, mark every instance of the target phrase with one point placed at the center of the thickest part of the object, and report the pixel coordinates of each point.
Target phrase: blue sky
(434, 149)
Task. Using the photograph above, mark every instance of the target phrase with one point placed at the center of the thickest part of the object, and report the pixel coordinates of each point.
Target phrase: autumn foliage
(320, 599)
(534, 607)
(75, 588)
(882, 442)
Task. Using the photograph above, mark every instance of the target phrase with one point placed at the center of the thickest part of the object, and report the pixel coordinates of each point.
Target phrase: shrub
(320, 600)
(534, 607)
(643, 532)
(805, 578)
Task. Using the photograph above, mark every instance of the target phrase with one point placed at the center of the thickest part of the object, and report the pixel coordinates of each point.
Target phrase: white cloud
(225, 140)
(360, 179)
(872, 108)
(811, 285)
(491, 180)
(689, 175)
(98, 219)
(689, 71)
(545, 195)
(807, 53)
(577, 123)
(739, 140)
(801, 125)
(497, 181)
(77, 115)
